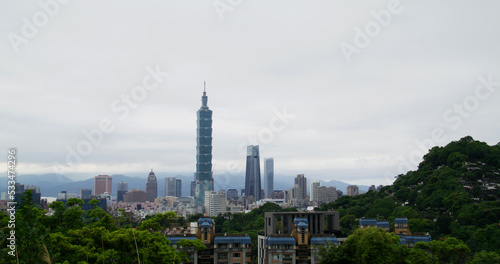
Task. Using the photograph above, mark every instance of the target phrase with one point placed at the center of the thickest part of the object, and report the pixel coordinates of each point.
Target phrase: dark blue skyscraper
(203, 176)
(252, 176)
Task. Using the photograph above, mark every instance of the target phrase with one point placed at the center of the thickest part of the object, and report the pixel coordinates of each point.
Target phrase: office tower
(203, 177)
(178, 188)
(121, 190)
(85, 193)
(193, 188)
(312, 191)
(171, 186)
(352, 190)
(215, 203)
(301, 182)
(152, 187)
(102, 184)
(36, 189)
(268, 177)
(232, 194)
(252, 177)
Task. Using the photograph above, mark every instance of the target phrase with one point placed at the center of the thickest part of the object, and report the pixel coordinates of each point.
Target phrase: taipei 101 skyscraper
(203, 176)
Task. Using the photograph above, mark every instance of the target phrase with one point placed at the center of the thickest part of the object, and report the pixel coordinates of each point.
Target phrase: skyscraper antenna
(204, 86)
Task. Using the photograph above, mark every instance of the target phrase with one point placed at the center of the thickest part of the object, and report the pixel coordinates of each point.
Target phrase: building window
(236, 255)
(287, 257)
(222, 256)
(276, 257)
(236, 245)
(222, 245)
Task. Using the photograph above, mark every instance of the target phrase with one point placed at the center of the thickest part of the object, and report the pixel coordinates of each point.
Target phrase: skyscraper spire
(204, 98)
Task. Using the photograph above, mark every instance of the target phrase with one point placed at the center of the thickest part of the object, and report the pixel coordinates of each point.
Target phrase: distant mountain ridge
(51, 184)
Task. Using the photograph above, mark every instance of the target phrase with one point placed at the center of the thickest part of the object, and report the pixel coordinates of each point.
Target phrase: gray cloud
(353, 121)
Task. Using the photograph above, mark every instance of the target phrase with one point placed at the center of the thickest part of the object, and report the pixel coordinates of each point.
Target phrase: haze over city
(332, 90)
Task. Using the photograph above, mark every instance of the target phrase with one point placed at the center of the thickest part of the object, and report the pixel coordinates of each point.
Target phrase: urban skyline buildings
(203, 176)
(301, 183)
(252, 175)
(103, 184)
(121, 190)
(151, 187)
(173, 187)
(313, 190)
(268, 177)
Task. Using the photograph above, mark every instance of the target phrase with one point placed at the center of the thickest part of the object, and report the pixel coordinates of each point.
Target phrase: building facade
(252, 175)
(221, 248)
(203, 176)
(352, 190)
(103, 184)
(301, 182)
(121, 190)
(215, 203)
(326, 194)
(298, 234)
(313, 185)
(136, 196)
(268, 177)
(152, 187)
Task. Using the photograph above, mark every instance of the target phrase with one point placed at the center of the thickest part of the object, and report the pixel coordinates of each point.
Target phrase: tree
(484, 257)
(158, 222)
(419, 256)
(449, 250)
(348, 224)
(370, 245)
(30, 230)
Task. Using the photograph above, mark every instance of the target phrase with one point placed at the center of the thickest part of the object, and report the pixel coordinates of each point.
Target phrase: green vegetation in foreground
(450, 195)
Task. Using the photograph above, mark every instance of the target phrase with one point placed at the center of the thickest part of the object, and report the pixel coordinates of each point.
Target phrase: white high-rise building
(215, 203)
(313, 192)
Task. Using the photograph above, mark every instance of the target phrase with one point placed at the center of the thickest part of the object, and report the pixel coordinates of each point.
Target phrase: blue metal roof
(177, 239)
(302, 225)
(280, 241)
(367, 221)
(402, 220)
(323, 240)
(205, 224)
(205, 219)
(405, 239)
(383, 224)
(232, 239)
(298, 220)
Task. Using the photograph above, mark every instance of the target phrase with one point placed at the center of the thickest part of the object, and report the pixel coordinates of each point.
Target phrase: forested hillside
(455, 192)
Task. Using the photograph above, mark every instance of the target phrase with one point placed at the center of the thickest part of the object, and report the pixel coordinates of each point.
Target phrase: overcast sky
(344, 90)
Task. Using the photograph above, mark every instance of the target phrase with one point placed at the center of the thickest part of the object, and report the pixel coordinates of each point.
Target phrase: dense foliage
(454, 193)
(71, 235)
(377, 246)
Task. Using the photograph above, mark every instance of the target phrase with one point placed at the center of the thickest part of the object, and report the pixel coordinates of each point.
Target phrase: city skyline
(411, 86)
